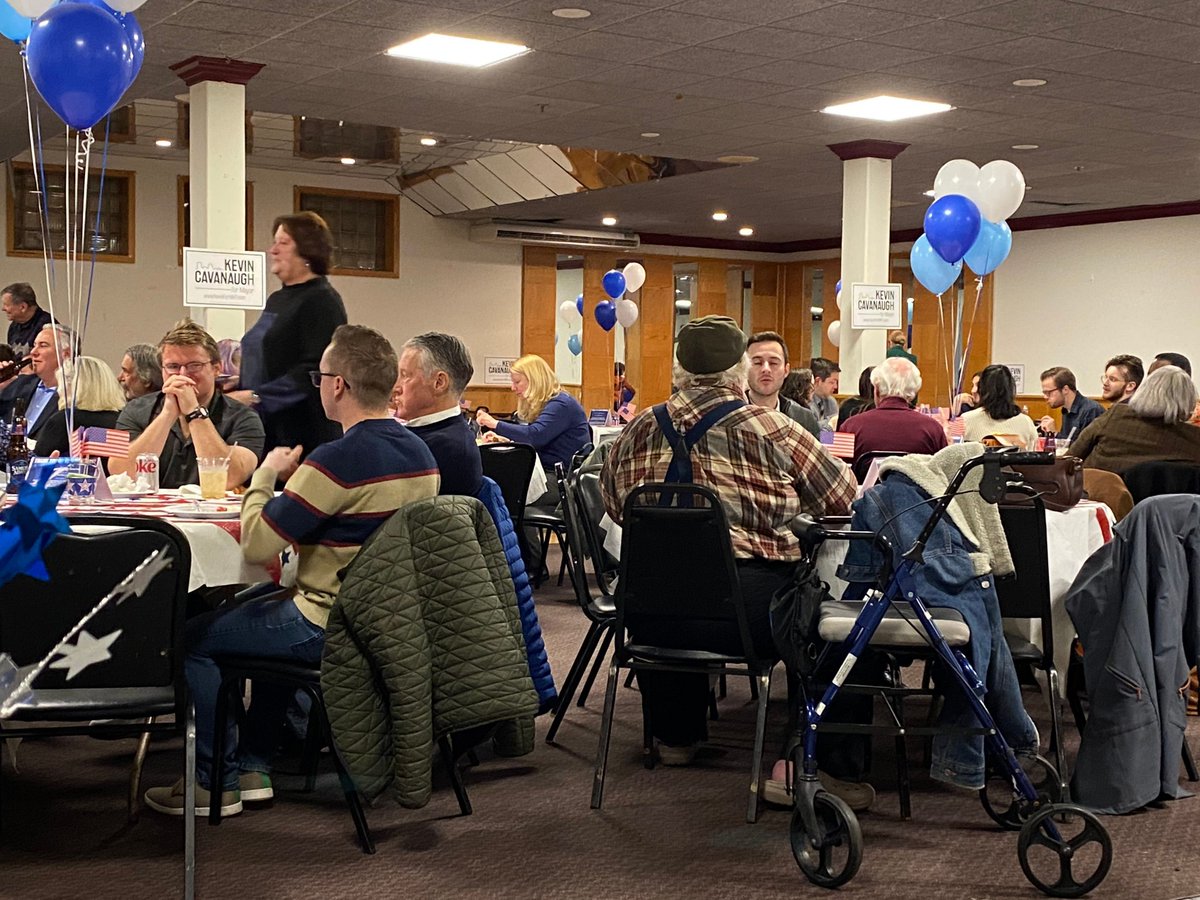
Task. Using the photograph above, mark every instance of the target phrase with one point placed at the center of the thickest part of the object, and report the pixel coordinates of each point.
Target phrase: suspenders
(680, 470)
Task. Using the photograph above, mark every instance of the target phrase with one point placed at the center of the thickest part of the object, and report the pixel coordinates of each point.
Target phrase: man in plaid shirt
(766, 469)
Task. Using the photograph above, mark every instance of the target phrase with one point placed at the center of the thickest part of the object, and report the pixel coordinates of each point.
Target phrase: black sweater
(453, 446)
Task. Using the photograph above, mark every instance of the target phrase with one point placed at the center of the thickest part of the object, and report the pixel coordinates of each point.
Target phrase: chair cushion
(1021, 648)
(651, 653)
(896, 630)
(77, 705)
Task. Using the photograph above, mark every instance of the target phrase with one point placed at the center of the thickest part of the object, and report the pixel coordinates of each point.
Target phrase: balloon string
(68, 231)
(944, 346)
(96, 232)
(971, 325)
(83, 158)
(35, 154)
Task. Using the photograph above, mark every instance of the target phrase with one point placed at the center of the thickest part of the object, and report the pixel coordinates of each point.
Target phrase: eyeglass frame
(315, 376)
(191, 368)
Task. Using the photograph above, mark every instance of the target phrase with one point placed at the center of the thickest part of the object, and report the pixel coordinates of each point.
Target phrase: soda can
(146, 472)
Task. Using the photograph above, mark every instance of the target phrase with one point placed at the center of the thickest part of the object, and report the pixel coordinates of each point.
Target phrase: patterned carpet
(662, 833)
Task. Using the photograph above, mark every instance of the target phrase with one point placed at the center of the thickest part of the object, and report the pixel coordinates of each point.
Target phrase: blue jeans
(265, 629)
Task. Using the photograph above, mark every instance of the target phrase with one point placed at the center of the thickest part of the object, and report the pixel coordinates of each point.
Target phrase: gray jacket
(1136, 608)
(800, 414)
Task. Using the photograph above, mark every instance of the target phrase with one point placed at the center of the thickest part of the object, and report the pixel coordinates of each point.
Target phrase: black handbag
(795, 615)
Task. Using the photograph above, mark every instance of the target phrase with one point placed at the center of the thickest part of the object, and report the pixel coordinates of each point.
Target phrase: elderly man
(189, 418)
(766, 469)
(1078, 412)
(37, 393)
(141, 371)
(824, 404)
(435, 369)
(26, 319)
(332, 504)
(1122, 375)
(768, 370)
(893, 425)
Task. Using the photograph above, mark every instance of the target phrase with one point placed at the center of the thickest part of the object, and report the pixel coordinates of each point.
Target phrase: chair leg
(217, 776)
(629, 679)
(753, 687)
(1056, 737)
(135, 774)
(610, 703)
(763, 684)
(649, 756)
(582, 658)
(714, 712)
(599, 661)
(723, 687)
(311, 758)
(456, 782)
(564, 562)
(349, 788)
(189, 804)
(1189, 763)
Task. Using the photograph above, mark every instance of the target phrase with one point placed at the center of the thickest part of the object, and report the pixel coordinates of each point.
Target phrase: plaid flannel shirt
(766, 469)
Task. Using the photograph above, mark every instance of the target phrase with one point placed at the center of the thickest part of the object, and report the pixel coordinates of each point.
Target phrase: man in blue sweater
(435, 369)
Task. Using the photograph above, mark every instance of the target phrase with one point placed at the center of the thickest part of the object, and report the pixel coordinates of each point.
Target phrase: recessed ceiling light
(885, 108)
(609, 220)
(720, 216)
(745, 231)
(457, 51)
(570, 12)
(162, 142)
(651, 134)
(428, 142)
(928, 193)
(1024, 146)
(737, 159)
(348, 160)
(1029, 82)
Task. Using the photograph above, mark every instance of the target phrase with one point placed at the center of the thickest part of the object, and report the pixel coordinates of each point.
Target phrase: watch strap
(199, 412)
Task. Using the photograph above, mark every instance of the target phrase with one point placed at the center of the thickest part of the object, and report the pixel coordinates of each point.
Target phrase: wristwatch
(199, 412)
(254, 398)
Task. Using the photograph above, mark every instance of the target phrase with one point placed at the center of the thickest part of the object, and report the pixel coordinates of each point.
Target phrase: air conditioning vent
(550, 236)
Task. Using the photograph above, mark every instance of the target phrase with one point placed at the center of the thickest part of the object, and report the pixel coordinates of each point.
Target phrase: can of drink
(146, 472)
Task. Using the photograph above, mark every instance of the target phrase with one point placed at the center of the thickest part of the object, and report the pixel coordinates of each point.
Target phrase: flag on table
(838, 443)
(97, 442)
(957, 428)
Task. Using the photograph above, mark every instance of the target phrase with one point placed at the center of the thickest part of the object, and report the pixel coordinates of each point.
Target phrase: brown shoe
(169, 800)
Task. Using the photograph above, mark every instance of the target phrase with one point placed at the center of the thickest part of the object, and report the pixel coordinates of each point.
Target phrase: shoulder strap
(680, 470)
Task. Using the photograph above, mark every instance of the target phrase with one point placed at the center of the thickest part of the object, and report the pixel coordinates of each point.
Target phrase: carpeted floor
(662, 833)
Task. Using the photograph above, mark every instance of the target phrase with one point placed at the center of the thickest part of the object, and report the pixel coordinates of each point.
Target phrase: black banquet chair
(677, 566)
(140, 690)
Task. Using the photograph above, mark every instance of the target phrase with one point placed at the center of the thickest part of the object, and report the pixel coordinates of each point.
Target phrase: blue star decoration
(27, 528)
(284, 557)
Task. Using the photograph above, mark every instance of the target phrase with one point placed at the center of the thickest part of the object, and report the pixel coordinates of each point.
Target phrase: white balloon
(31, 9)
(569, 311)
(125, 6)
(835, 333)
(959, 176)
(838, 301)
(1001, 190)
(635, 276)
(627, 310)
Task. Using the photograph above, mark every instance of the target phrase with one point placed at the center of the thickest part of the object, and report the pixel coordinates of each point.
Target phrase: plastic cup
(81, 482)
(213, 471)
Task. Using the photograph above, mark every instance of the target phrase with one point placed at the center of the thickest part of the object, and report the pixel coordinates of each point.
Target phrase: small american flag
(97, 442)
(956, 428)
(839, 443)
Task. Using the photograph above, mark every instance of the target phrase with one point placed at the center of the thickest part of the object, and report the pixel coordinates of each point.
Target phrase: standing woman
(287, 341)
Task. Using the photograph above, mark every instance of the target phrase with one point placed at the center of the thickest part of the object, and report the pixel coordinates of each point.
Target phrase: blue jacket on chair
(535, 648)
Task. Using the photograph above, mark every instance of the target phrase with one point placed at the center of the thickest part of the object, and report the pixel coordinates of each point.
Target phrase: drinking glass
(81, 482)
(213, 470)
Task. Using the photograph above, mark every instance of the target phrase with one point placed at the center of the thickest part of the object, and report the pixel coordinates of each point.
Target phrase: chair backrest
(677, 561)
(1109, 489)
(1150, 479)
(1026, 595)
(36, 615)
(576, 547)
(863, 464)
(510, 466)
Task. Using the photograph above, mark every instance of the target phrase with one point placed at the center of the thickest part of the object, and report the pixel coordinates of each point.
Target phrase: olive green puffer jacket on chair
(424, 640)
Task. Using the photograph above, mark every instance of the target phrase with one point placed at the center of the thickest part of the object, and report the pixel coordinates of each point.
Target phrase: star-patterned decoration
(86, 651)
(27, 528)
(138, 581)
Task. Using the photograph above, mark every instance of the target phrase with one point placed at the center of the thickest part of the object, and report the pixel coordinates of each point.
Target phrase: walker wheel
(1003, 802)
(832, 857)
(1064, 850)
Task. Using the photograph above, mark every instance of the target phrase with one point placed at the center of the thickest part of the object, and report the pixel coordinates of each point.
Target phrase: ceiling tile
(1035, 16)
(620, 48)
(849, 21)
(779, 43)
(945, 37)
(677, 27)
(797, 74)
(602, 14)
(704, 61)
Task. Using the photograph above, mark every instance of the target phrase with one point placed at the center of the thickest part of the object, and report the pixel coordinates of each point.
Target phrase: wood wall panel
(597, 384)
(766, 308)
(539, 311)
(656, 327)
(711, 291)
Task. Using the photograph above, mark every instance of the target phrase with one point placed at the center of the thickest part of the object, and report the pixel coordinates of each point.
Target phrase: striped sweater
(342, 492)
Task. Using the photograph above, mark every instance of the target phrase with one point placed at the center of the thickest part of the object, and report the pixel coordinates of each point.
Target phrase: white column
(866, 241)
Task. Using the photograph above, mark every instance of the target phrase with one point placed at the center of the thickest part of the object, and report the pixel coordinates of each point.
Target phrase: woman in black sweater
(287, 341)
(90, 384)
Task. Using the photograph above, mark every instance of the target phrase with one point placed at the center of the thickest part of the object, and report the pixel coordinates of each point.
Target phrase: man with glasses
(1122, 375)
(1078, 411)
(189, 417)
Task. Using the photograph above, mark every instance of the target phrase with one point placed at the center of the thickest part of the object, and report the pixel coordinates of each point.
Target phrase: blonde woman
(548, 418)
(97, 397)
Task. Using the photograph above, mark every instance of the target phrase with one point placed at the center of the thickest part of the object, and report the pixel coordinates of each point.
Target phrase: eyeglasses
(316, 375)
(1109, 379)
(192, 368)
(1051, 392)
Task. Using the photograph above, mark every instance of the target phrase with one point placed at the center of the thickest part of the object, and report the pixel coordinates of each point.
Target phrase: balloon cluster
(82, 54)
(965, 222)
(609, 312)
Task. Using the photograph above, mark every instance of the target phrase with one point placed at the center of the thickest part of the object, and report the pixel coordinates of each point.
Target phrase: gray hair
(66, 342)
(147, 365)
(1168, 394)
(733, 377)
(896, 377)
(444, 353)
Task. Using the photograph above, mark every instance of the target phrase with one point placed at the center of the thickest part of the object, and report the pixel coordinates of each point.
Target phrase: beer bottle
(18, 453)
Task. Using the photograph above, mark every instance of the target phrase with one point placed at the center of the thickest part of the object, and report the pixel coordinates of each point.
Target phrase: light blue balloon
(930, 269)
(575, 345)
(990, 249)
(13, 25)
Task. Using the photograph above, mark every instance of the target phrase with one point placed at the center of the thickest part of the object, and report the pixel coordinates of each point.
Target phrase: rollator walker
(1063, 848)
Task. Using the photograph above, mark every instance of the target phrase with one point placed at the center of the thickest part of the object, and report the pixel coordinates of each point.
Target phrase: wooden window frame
(392, 253)
(181, 183)
(131, 219)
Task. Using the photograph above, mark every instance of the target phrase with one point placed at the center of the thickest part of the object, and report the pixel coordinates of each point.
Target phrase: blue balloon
(614, 284)
(579, 304)
(575, 345)
(990, 249)
(13, 25)
(952, 225)
(130, 23)
(930, 269)
(837, 288)
(81, 61)
(606, 310)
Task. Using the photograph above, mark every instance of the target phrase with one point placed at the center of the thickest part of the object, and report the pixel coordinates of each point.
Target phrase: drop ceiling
(1117, 123)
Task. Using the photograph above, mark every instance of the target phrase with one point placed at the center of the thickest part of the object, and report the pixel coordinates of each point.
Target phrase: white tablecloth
(537, 482)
